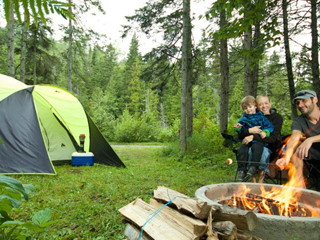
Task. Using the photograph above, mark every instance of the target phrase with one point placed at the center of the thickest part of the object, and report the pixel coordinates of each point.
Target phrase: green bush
(132, 128)
(286, 126)
(205, 145)
(170, 134)
(108, 128)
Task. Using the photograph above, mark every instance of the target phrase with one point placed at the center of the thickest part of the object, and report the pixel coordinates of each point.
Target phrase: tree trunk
(288, 56)
(186, 49)
(224, 71)
(314, 49)
(10, 27)
(255, 71)
(35, 58)
(163, 117)
(247, 45)
(23, 51)
(189, 75)
(189, 94)
(70, 52)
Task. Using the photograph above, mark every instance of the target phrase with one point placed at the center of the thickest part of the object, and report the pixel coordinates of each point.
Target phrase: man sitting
(308, 125)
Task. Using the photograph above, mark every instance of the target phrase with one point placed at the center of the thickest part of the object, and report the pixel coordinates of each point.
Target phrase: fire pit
(272, 226)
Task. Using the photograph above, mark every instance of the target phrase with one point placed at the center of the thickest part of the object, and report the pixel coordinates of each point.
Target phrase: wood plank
(198, 227)
(183, 203)
(226, 230)
(158, 226)
(211, 235)
(245, 220)
(244, 235)
(133, 233)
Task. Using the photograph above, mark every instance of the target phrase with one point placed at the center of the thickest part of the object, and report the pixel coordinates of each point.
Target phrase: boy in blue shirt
(251, 118)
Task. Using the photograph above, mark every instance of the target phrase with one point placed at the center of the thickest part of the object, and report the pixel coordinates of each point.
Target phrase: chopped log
(196, 226)
(133, 233)
(244, 235)
(225, 228)
(156, 224)
(183, 203)
(245, 220)
(256, 238)
(210, 234)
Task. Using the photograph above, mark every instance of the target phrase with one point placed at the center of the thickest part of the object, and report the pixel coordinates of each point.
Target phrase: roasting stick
(229, 161)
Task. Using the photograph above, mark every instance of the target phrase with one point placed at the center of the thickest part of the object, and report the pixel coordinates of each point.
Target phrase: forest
(181, 89)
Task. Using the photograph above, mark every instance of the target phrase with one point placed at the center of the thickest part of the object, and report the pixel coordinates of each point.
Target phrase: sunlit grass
(87, 198)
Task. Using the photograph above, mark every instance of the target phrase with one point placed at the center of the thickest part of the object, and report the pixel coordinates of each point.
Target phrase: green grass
(87, 199)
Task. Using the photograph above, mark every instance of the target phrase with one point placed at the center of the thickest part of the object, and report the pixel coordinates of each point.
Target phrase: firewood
(226, 230)
(210, 234)
(156, 224)
(245, 220)
(196, 226)
(133, 233)
(183, 203)
(246, 235)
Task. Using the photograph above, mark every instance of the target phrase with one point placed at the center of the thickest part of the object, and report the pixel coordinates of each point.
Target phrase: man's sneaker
(252, 171)
(241, 176)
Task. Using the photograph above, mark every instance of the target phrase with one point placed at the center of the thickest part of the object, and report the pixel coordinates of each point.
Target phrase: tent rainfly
(40, 125)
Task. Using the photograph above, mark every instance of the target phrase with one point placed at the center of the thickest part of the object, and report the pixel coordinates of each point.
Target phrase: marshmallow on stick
(229, 161)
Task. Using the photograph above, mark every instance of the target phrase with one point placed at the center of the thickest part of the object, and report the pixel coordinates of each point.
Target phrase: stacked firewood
(172, 215)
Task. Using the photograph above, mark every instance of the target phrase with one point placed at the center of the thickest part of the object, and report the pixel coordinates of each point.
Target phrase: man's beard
(309, 109)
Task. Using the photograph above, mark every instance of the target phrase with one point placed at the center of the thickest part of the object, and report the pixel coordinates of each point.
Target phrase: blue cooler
(82, 159)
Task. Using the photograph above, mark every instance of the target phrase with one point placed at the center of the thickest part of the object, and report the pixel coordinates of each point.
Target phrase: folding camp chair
(272, 174)
(233, 143)
(312, 174)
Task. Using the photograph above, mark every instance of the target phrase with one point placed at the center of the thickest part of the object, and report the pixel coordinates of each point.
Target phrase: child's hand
(237, 125)
(263, 134)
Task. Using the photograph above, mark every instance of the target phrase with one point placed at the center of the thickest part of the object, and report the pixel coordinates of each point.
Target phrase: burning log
(266, 205)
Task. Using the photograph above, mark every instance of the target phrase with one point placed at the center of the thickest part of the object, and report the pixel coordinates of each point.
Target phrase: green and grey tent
(40, 125)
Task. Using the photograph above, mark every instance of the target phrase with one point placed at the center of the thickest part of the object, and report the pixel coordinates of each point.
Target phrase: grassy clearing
(87, 198)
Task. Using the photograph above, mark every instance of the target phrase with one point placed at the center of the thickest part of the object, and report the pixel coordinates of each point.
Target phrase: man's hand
(303, 150)
(255, 130)
(247, 139)
(281, 163)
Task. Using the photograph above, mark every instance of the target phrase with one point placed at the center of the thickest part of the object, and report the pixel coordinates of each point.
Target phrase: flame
(282, 200)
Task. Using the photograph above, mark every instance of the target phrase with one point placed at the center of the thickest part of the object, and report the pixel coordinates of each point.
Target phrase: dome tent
(40, 125)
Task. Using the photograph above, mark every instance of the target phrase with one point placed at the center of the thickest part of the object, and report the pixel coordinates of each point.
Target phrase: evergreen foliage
(138, 98)
(141, 95)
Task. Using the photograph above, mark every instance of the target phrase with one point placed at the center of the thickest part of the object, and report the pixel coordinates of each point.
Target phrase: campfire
(277, 218)
(260, 204)
(290, 207)
(278, 201)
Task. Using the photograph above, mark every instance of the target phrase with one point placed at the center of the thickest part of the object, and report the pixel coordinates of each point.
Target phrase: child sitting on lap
(251, 118)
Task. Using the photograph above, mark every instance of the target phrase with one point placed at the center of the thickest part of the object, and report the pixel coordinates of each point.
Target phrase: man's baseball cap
(303, 94)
